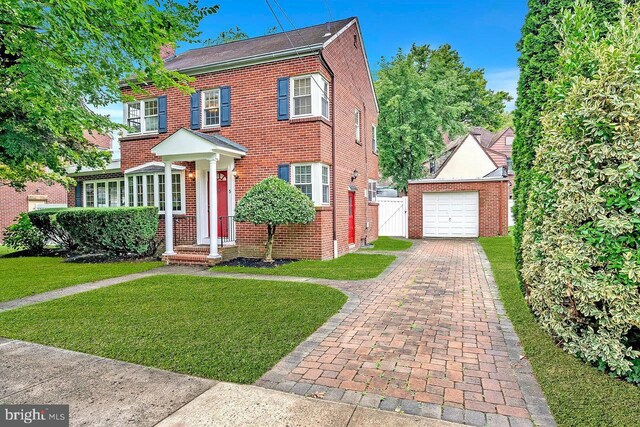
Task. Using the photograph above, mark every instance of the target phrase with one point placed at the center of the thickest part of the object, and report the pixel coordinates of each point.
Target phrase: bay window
(309, 96)
(135, 190)
(142, 115)
(313, 180)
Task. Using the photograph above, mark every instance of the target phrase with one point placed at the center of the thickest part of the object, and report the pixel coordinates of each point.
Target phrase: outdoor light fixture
(191, 175)
(354, 175)
(234, 172)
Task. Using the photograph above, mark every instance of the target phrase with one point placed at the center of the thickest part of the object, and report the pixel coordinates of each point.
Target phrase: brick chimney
(167, 51)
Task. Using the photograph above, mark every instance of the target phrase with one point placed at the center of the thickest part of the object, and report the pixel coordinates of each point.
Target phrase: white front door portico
(211, 153)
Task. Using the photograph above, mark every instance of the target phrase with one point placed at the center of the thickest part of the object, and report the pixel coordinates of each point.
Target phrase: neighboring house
(298, 105)
(467, 189)
(37, 194)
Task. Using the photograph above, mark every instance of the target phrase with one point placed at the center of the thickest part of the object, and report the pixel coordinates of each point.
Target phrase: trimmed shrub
(45, 221)
(115, 231)
(274, 202)
(581, 241)
(23, 236)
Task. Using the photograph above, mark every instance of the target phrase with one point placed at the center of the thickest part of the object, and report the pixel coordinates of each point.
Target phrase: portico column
(213, 208)
(168, 210)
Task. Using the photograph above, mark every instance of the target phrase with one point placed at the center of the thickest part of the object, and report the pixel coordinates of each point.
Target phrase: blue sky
(483, 31)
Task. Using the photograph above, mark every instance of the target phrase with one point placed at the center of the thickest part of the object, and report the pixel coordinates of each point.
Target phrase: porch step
(198, 255)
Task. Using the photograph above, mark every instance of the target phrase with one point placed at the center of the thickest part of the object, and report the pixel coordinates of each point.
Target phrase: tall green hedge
(581, 238)
(45, 221)
(538, 63)
(116, 231)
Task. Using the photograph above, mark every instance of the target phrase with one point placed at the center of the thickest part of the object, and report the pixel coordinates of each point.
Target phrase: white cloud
(506, 80)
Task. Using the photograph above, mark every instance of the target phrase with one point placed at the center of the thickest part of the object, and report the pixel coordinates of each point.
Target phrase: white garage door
(450, 214)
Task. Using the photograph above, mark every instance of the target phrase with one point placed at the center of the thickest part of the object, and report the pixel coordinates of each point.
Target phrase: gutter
(333, 154)
(449, 181)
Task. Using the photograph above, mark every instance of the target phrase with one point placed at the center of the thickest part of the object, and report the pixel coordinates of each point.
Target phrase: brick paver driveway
(428, 337)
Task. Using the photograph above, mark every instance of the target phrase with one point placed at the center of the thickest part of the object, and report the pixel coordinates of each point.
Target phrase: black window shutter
(162, 114)
(195, 111)
(225, 106)
(78, 202)
(283, 98)
(283, 172)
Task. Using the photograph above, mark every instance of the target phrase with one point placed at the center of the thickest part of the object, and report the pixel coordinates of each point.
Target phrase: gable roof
(301, 40)
(453, 148)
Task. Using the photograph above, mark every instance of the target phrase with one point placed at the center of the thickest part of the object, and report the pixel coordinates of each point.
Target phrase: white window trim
(142, 116)
(316, 181)
(372, 196)
(374, 139)
(358, 125)
(328, 185)
(507, 139)
(156, 186)
(317, 92)
(95, 191)
(202, 109)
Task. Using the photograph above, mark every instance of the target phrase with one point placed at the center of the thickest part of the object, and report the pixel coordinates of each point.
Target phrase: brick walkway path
(428, 337)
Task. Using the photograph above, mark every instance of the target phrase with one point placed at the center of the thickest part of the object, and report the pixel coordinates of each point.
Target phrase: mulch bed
(256, 262)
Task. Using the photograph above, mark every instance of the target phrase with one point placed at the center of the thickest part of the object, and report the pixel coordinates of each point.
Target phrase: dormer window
(142, 116)
(309, 96)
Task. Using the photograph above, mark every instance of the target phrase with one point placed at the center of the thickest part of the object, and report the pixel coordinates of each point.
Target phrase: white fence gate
(393, 216)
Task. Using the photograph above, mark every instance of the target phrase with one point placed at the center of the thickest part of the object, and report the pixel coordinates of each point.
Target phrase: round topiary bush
(274, 202)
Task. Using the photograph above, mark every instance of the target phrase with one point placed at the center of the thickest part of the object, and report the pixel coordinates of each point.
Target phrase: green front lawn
(4, 250)
(226, 329)
(346, 267)
(578, 395)
(21, 277)
(390, 244)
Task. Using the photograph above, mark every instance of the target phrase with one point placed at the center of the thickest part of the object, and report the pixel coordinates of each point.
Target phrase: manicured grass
(226, 329)
(21, 277)
(346, 267)
(578, 395)
(385, 243)
(4, 250)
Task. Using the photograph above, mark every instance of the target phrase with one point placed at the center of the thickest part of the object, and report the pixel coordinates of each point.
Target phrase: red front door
(352, 217)
(223, 219)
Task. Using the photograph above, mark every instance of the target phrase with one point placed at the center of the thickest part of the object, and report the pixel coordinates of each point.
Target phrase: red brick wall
(493, 205)
(271, 142)
(13, 202)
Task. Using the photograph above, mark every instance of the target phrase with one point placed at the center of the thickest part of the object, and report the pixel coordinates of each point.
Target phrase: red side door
(223, 212)
(352, 217)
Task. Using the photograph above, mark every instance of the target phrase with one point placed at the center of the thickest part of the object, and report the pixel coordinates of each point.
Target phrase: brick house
(297, 105)
(467, 191)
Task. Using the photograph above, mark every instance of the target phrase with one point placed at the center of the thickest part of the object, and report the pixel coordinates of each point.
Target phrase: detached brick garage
(458, 208)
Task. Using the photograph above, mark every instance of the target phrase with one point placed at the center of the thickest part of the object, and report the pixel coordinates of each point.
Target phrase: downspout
(333, 155)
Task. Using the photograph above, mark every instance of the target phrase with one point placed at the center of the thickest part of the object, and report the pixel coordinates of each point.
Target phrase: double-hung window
(313, 180)
(309, 96)
(302, 96)
(372, 191)
(357, 125)
(302, 179)
(211, 107)
(142, 116)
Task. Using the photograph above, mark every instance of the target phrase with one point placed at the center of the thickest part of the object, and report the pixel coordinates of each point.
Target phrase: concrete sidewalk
(105, 392)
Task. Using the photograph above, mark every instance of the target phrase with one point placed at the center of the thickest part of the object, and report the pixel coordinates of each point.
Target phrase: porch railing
(185, 230)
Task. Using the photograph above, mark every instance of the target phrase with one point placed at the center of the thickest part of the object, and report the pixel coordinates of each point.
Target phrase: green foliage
(538, 64)
(390, 244)
(581, 238)
(346, 267)
(45, 221)
(578, 395)
(115, 231)
(55, 58)
(484, 107)
(274, 202)
(416, 106)
(23, 236)
(225, 329)
(231, 35)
